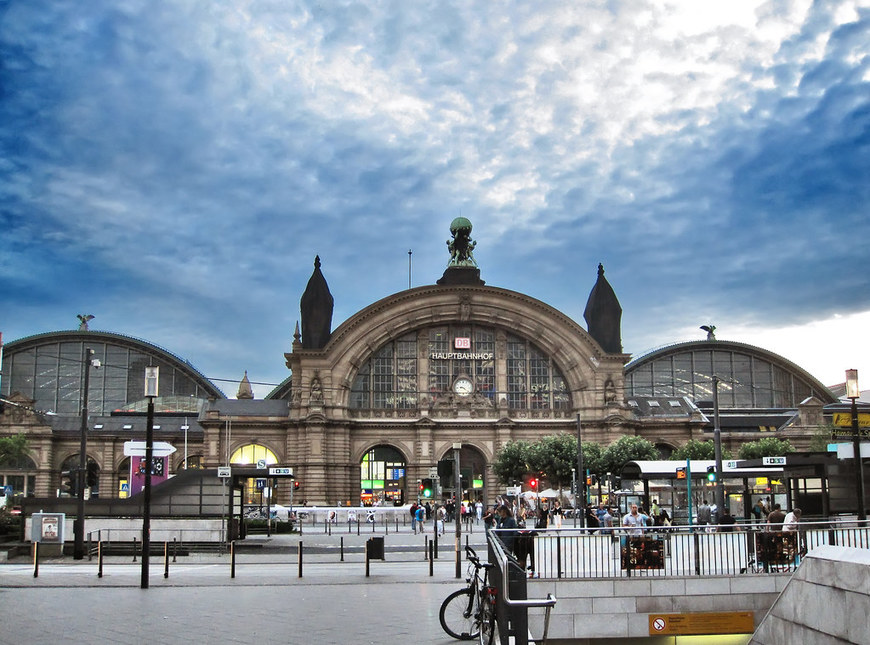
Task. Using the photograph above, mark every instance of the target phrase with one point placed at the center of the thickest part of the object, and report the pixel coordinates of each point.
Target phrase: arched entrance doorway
(472, 471)
(382, 477)
(245, 456)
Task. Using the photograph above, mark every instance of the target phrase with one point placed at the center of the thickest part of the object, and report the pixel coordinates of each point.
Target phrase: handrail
(522, 603)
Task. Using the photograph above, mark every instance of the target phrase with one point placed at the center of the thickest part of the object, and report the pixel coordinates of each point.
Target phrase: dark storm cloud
(175, 167)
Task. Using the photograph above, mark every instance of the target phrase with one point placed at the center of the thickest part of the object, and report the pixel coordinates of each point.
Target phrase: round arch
(578, 356)
(749, 376)
(383, 475)
(69, 480)
(473, 467)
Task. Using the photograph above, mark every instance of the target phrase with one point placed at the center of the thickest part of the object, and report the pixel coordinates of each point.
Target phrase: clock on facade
(463, 386)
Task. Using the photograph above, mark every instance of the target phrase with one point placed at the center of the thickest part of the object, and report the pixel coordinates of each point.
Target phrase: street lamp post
(580, 491)
(853, 392)
(719, 489)
(79, 525)
(152, 375)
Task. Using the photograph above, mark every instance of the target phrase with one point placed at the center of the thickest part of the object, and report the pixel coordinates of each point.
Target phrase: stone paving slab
(267, 601)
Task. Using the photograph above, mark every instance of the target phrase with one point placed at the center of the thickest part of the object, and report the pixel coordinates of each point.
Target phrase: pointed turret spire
(245, 389)
(316, 307)
(603, 315)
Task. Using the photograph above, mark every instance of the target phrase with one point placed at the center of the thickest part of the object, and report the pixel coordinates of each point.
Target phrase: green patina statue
(461, 245)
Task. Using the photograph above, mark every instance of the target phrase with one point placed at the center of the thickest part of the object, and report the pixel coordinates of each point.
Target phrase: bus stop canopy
(662, 469)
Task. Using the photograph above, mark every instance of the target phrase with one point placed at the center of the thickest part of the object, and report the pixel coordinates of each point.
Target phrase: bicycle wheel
(458, 615)
(487, 617)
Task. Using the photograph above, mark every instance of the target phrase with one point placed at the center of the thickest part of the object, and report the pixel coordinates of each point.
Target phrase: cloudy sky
(173, 167)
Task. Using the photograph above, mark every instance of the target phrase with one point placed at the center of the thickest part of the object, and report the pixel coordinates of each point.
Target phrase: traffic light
(711, 474)
(295, 485)
(426, 488)
(67, 483)
(533, 483)
(445, 469)
(591, 480)
(681, 473)
(92, 475)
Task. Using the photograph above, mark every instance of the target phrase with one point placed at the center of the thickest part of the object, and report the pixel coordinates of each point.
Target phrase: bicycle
(469, 613)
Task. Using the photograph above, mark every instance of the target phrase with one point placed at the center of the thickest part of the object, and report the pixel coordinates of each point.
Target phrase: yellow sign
(731, 622)
(844, 419)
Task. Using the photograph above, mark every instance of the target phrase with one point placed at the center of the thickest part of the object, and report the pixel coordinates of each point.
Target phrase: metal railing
(676, 551)
(512, 604)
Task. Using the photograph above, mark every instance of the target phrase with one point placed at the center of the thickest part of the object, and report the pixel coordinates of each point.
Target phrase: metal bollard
(431, 558)
(166, 559)
(36, 559)
(100, 559)
(174, 549)
(233, 559)
(134, 548)
(342, 548)
(367, 559)
(357, 526)
(300, 558)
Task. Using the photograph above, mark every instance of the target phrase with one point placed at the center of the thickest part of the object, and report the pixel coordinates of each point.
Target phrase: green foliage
(554, 456)
(512, 462)
(767, 447)
(10, 525)
(13, 450)
(627, 449)
(696, 449)
(593, 458)
(821, 438)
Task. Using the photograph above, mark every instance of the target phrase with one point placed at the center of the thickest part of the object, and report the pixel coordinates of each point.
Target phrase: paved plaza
(266, 602)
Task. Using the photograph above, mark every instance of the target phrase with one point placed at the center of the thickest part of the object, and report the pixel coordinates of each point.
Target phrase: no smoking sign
(659, 624)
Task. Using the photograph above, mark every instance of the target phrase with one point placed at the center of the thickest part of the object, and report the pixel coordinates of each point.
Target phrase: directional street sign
(137, 448)
(277, 471)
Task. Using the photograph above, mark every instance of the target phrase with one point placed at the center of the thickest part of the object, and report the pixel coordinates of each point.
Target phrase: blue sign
(261, 483)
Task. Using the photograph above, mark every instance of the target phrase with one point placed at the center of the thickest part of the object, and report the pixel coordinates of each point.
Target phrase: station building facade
(370, 407)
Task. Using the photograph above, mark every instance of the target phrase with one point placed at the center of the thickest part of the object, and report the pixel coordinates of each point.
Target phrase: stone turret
(316, 308)
(245, 389)
(603, 315)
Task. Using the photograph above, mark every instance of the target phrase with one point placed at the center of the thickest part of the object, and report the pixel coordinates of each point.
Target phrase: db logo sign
(462, 343)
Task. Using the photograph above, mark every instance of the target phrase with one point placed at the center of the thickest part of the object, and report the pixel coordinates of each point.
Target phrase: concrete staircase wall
(826, 602)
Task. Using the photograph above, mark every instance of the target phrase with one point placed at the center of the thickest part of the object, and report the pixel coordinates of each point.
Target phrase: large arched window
(426, 364)
(749, 377)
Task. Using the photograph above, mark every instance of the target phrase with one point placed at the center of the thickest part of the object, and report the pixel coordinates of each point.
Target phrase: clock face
(463, 386)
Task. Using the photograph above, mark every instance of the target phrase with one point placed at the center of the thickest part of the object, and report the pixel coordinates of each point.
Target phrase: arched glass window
(746, 380)
(251, 454)
(393, 376)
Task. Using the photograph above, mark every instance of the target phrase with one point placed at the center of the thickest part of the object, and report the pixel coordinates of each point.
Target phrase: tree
(767, 447)
(626, 449)
(555, 456)
(512, 462)
(593, 458)
(14, 451)
(695, 449)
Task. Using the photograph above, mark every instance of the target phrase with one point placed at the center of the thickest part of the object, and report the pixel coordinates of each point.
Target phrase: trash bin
(375, 548)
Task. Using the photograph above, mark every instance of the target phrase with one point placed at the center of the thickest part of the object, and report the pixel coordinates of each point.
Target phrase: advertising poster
(137, 473)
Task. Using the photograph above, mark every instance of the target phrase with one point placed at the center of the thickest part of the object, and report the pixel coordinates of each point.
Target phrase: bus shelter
(678, 486)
